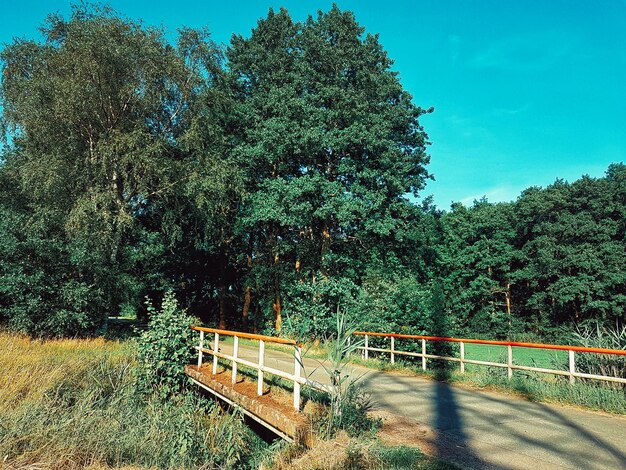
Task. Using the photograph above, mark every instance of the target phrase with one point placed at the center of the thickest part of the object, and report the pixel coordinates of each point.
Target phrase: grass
(74, 404)
(345, 453)
(521, 356)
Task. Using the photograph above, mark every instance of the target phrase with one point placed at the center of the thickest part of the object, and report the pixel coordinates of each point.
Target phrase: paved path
(479, 429)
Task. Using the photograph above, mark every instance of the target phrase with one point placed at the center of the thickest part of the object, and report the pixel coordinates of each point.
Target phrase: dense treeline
(555, 256)
(269, 183)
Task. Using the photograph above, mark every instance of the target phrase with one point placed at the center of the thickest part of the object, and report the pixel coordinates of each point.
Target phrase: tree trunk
(508, 301)
(221, 292)
(326, 242)
(278, 320)
(246, 303)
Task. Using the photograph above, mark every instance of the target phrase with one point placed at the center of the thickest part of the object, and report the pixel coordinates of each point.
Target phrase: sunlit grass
(521, 356)
(74, 403)
(31, 368)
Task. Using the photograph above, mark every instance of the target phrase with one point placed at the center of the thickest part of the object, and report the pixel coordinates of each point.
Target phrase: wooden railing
(297, 378)
(509, 365)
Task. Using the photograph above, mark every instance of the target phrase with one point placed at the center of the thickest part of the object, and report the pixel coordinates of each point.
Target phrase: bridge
(473, 428)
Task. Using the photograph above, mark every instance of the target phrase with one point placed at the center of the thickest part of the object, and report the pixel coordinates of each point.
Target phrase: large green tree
(104, 148)
(331, 146)
(573, 245)
(551, 259)
(478, 255)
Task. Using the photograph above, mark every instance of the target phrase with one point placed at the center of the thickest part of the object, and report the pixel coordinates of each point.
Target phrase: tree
(572, 239)
(100, 125)
(330, 144)
(551, 259)
(478, 256)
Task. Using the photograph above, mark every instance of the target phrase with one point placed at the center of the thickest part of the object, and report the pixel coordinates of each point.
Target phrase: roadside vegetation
(591, 394)
(76, 403)
(364, 453)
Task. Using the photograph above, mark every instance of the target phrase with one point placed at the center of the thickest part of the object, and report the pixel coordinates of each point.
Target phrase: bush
(165, 348)
(349, 403)
(310, 307)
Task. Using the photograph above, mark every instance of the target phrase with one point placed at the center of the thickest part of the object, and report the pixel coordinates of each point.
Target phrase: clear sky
(524, 91)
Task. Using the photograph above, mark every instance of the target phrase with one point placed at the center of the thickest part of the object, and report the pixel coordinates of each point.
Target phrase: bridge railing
(572, 373)
(297, 378)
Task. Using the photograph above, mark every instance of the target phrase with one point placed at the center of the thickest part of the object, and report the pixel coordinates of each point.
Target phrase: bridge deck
(271, 410)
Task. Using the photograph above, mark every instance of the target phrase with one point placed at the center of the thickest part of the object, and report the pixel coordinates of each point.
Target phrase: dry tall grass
(74, 404)
(31, 368)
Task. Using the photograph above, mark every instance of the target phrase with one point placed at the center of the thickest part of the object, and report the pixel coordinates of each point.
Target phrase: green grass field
(521, 356)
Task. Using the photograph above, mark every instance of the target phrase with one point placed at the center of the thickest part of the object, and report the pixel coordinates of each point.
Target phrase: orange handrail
(267, 339)
(619, 352)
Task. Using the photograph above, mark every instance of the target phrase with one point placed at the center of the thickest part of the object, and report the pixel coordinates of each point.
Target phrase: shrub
(165, 348)
(349, 403)
(48, 287)
(310, 307)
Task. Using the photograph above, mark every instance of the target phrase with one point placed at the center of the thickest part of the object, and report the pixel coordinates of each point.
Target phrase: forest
(271, 184)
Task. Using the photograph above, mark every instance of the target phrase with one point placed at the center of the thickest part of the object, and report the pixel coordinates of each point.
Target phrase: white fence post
(572, 367)
(296, 372)
(216, 348)
(509, 362)
(200, 349)
(393, 345)
(259, 389)
(365, 351)
(235, 354)
(462, 357)
(423, 354)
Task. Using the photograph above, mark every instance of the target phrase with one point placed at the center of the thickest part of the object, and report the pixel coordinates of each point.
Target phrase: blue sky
(524, 92)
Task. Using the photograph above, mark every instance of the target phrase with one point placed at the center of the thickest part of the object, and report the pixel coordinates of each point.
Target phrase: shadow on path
(452, 440)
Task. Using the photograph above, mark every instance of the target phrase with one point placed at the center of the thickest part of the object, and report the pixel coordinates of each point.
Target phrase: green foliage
(478, 254)
(99, 123)
(311, 308)
(273, 185)
(330, 144)
(397, 303)
(349, 403)
(165, 348)
(46, 287)
(552, 259)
